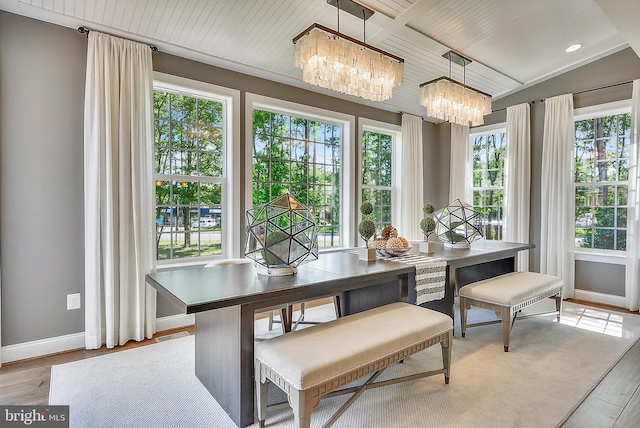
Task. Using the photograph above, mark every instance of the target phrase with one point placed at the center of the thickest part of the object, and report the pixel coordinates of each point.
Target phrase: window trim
(371, 125)
(584, 113)
(231, 164)
(347, 123)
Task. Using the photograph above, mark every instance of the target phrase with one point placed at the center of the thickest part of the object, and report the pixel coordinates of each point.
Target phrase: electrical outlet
(73, 301)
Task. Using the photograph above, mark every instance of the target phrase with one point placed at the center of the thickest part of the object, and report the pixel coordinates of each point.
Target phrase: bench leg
(506, 326)
(262, 387)
(302, 408)
(558, 304)
(463, 315)
(446, 356)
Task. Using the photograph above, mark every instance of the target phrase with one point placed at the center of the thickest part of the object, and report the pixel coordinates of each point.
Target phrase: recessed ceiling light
(573, 48)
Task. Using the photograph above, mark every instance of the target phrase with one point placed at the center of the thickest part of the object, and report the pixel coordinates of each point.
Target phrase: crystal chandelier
(332, 60)
(449, 100)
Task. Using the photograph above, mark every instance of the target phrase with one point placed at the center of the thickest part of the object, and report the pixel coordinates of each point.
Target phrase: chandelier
(332, 60)
(449, 100)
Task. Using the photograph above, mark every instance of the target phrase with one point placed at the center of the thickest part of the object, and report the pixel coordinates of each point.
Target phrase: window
(296, 151)
(377, 170)
(601, 174)
(489, 150)
(191, 139)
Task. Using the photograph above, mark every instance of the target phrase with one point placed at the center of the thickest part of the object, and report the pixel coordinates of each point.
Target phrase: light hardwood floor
(614, 403)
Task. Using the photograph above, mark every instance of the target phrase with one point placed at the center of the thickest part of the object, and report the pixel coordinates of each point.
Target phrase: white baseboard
(607, 299)
(38, 348)
(69, 342)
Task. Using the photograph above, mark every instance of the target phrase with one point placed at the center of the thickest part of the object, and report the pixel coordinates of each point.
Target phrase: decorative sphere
(366, 208)
(428, 208)
(427, 225)
(366, 229)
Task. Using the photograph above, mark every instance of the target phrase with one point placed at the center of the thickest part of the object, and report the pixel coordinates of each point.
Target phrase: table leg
(224, 359)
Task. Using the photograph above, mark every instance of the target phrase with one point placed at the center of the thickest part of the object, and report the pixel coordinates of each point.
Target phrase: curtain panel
(517, 180)
(557, 204)
(411, 178)
(632, 275)
(460, 184)
(118, 192)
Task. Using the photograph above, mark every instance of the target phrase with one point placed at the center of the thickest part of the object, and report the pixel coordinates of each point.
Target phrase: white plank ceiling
(513, 43)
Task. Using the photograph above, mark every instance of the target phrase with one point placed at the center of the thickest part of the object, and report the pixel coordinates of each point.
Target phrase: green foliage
(366, 229)
(427, 225)
(366, 208)
(428, 208)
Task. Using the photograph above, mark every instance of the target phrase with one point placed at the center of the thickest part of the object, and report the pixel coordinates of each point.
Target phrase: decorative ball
(395, 244)
(405, 243)
(379, 244)
(366, 229)
(366, 208)
(389, 232)
(428, 208)
(427, 225)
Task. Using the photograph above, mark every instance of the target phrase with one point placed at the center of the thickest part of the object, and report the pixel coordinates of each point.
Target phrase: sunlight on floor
(594, 320)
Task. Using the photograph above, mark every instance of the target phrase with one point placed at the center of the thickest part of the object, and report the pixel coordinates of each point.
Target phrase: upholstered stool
(506, 295)
(314, 362)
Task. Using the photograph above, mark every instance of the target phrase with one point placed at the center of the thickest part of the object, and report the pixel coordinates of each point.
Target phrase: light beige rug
(550, 368)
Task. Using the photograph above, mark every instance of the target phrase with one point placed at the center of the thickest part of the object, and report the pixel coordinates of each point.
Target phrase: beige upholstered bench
(311, 363)
(506, 295)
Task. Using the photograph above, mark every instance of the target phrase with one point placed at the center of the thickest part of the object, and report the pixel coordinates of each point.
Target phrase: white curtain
(517, 180)
(460, 166)
(632, 277)
(557, 240)
(118, 192)
(411, 178)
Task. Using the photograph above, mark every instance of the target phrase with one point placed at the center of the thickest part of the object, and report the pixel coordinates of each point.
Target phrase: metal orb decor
(458, 225)
(280, 236)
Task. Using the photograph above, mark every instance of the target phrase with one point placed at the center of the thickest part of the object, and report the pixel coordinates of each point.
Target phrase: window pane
(488, 181)
(189, 142)
(289, 155)
(601, 153)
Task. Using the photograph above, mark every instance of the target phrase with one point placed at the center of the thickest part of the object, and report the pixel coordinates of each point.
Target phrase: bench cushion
(304, 360)
(512, 288)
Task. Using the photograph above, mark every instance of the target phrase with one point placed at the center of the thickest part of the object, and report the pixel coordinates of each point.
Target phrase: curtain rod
(85, 30)
(613, 85)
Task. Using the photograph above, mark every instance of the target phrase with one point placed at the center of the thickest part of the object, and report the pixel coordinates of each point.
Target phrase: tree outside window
(489, 152)
(300, 156)
(189, 167)
(377, 176)
(601, 173)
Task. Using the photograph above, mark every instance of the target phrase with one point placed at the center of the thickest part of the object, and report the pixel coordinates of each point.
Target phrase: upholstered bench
(314, 362)
(506, 295)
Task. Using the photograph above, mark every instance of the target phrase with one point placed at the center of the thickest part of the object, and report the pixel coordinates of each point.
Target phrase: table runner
(431, 275)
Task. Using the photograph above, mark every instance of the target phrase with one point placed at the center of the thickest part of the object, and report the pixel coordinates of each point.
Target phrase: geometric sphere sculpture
(281, 235)
(458, 225)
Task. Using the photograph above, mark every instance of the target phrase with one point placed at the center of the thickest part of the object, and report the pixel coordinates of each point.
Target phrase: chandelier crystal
(334, 61)
(451, 101)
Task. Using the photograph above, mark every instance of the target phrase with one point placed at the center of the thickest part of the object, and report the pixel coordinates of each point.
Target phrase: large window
(601, 175)
(489, 150)
(377, 171)
(191, 162)
(295, 154)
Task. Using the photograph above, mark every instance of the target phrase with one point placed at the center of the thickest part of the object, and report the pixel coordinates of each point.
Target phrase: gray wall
(42, 72)
(619, 67)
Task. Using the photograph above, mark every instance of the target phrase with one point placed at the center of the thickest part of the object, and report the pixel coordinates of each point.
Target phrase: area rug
(550, 369)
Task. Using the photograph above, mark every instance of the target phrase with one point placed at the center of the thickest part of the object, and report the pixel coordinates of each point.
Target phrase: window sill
(601, 256)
